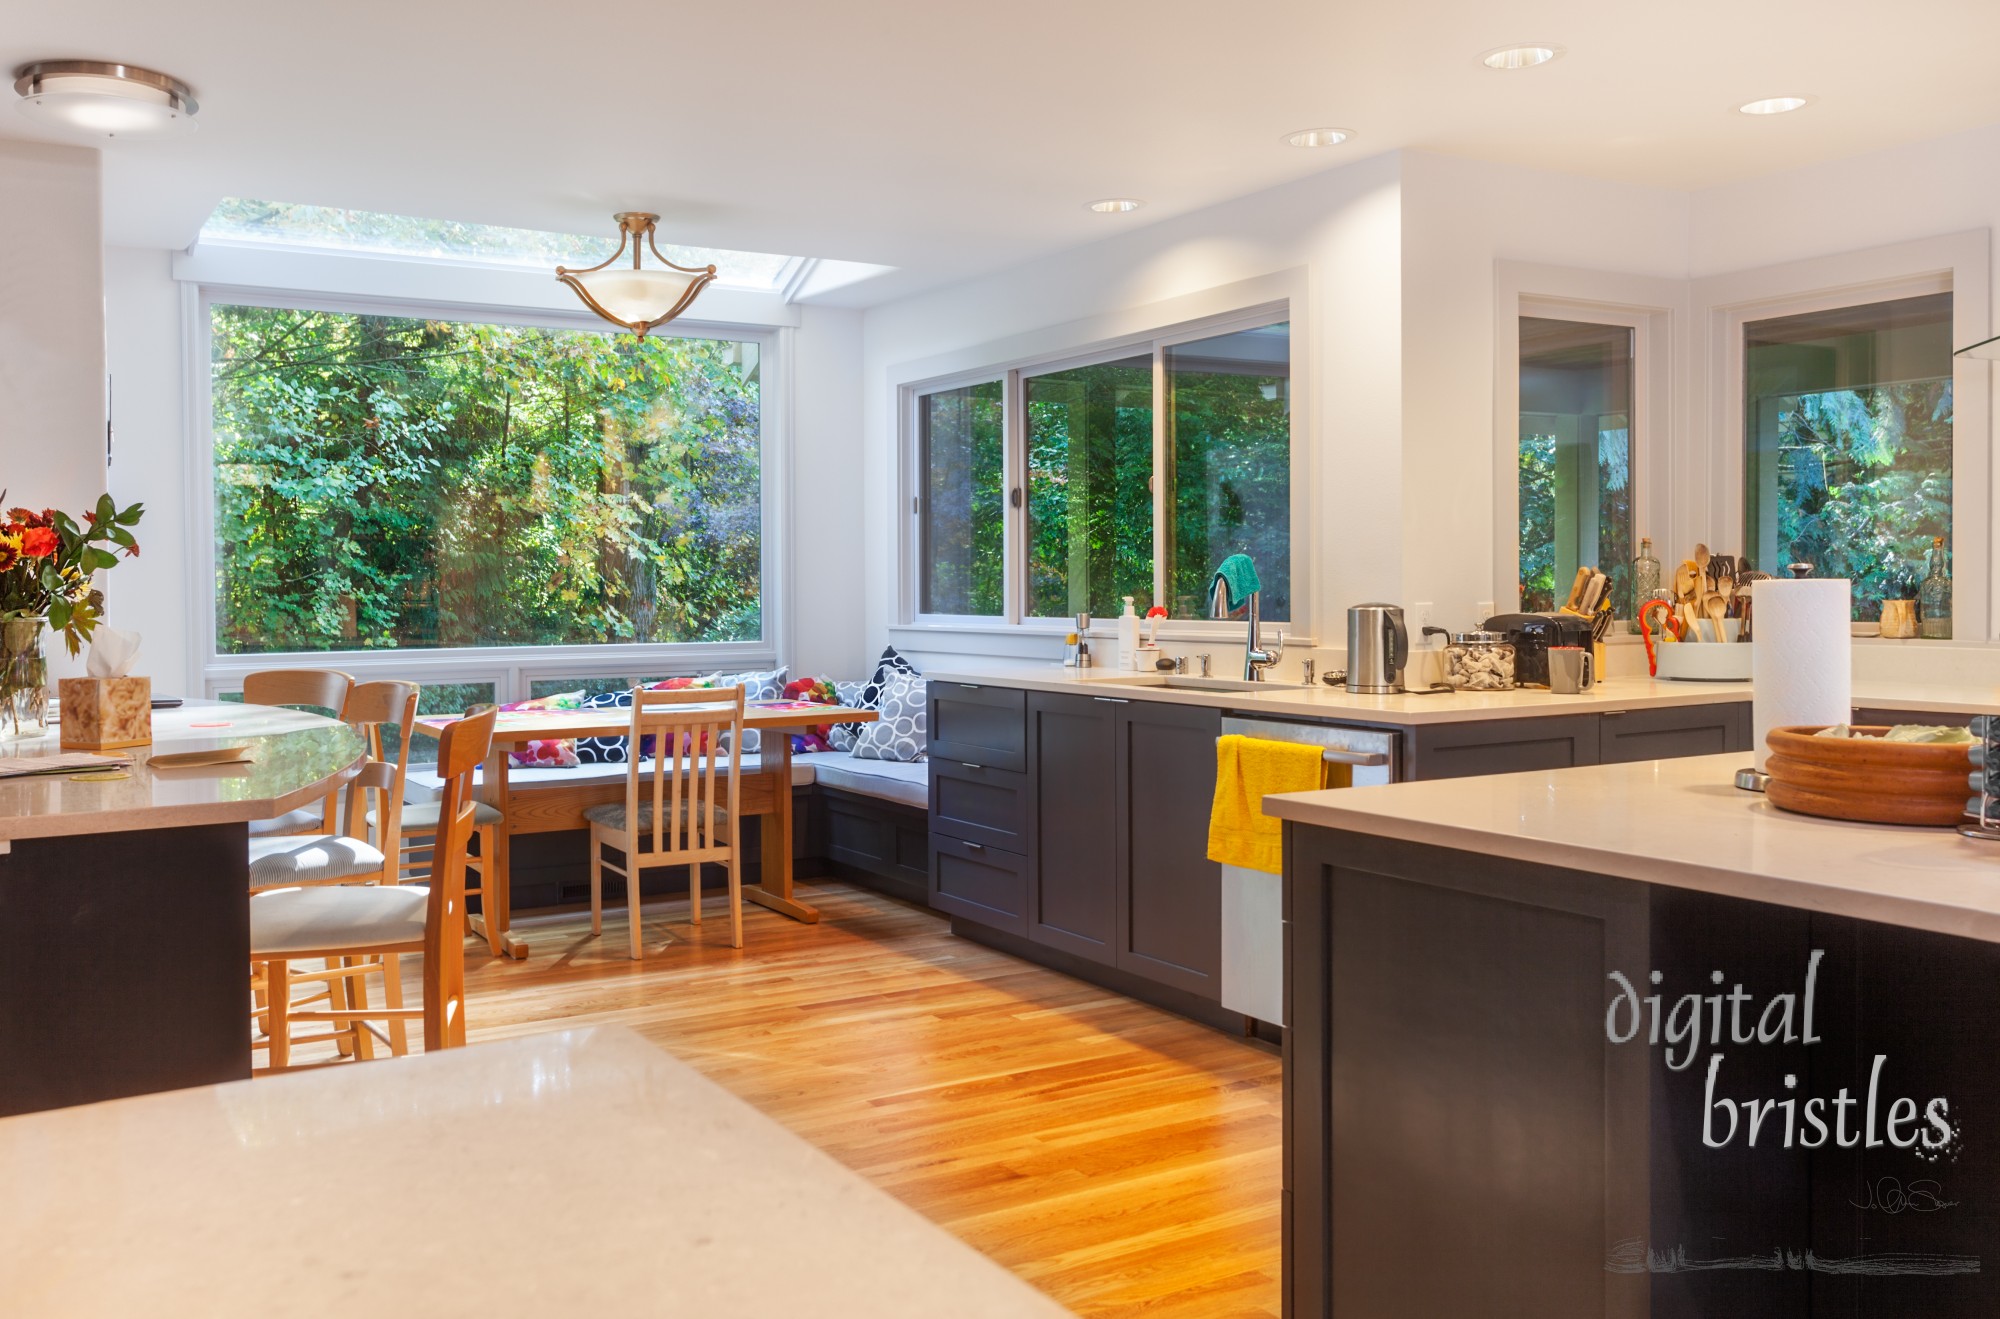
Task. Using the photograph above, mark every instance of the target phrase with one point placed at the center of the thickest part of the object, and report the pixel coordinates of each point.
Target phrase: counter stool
(355, 925)
(294, 860)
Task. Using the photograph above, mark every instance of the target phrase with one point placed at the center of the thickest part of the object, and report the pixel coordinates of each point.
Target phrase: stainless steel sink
(1192, 683)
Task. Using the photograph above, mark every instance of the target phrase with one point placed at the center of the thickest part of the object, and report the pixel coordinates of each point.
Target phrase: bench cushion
(423, 783)
(890, 780)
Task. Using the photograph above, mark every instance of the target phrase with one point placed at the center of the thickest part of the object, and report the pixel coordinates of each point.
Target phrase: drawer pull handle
(969, 765)
(974, 847)
(968, 686)
(1113, 700)
(1613, 714)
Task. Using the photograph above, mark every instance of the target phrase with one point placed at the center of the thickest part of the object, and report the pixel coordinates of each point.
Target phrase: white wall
(51, 331)
(150, 594)
(1399, 255)
(827, 629)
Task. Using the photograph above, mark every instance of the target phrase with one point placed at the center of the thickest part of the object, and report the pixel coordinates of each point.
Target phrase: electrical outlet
(1423, 615)
(1482, 611)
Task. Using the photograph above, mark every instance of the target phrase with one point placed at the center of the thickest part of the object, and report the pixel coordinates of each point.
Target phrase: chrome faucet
(1255, 661)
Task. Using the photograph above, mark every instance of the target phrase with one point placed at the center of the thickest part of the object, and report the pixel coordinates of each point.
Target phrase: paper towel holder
(1752, 780)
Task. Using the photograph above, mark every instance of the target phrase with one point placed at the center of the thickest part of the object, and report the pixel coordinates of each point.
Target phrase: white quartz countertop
(297, 757)
(1334, 703)
(578, 1173)
(1684, 823)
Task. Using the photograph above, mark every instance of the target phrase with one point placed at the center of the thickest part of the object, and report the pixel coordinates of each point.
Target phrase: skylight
(283, 224)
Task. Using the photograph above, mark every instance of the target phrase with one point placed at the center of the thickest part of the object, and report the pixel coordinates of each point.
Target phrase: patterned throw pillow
(900, 734)
(841, 736)
(610, 749)
(891, 662)
(551, 753)
(764, 685)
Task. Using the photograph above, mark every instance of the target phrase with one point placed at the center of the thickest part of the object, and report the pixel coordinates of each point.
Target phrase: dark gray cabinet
(1682, 730)
(980, 883)
(1169, 925)
(1501, 746)
(1072, 742)
(978, 725)
(979, 804)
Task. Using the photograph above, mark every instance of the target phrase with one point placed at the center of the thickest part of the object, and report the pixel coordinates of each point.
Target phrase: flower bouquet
(47, 561)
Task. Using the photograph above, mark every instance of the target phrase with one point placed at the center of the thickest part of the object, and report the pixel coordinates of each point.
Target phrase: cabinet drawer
(979, 725)
(1682, 730)
(979, 883)
(980, 804)
(1505, 746)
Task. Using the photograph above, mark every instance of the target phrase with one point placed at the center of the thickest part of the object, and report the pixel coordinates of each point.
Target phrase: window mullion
(1014, 514)
(1162, 479)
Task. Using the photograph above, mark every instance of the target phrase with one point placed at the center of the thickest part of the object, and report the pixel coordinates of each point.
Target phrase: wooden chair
(685, 817)
(291, 860)
(345, 923)
(323, 689)
(418, 835)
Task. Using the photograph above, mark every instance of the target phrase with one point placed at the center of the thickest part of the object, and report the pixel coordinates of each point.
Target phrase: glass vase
(24, 678)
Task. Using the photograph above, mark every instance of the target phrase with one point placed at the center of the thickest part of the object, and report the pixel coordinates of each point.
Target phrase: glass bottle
(1934, 596)
(1645, 580)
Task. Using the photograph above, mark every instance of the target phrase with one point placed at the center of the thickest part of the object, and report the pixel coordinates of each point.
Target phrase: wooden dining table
(542, 808)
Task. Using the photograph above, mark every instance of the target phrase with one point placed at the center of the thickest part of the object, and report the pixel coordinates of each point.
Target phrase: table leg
(773, 888)
(496, 898)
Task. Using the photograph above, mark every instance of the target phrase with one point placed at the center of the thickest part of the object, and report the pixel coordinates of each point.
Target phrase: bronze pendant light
(637, 298)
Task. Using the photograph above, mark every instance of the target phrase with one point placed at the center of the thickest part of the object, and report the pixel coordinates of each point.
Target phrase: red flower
(29, 518)
(132, 550)
(39, 542)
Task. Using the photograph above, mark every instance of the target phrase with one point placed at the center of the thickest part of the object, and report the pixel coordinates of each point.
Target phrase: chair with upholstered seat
(311, 689)
(352, 925)
(291, 860)
(677, 813)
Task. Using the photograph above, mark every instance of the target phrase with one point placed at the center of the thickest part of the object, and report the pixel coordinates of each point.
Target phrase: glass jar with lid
(1479, 662)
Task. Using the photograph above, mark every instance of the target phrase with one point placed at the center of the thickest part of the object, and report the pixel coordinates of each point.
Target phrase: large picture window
(1135, 474)
(1847, 432)
(1575, 458)
(399, 482)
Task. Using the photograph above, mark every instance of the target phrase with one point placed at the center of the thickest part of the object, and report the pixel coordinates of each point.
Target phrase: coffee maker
(1532, 635)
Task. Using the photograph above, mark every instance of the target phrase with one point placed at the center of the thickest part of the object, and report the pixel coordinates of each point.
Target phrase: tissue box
(99, 714)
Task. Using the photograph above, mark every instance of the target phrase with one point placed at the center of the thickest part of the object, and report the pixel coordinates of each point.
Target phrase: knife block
(101, 714)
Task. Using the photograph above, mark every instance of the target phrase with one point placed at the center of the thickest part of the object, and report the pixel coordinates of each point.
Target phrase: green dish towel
(1239, 578)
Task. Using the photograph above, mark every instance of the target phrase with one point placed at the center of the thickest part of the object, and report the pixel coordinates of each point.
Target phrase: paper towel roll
(1803, 670)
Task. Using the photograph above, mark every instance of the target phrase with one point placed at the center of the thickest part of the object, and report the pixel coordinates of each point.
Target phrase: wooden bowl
(1864, 778)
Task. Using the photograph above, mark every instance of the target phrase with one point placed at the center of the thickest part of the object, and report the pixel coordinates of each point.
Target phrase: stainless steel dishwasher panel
(1253, 931)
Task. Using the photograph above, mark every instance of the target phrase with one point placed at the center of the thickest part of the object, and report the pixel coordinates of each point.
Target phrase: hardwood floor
(1120, 1158)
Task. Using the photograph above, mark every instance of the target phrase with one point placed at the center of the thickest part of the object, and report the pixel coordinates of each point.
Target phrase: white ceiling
(945, 137)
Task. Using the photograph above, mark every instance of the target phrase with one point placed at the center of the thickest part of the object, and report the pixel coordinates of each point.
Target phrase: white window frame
(1654, 310)
(1012, 374)
(1957, 264)
(511, 669)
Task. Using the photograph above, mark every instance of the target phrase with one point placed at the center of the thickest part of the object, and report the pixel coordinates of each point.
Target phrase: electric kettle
(1378, 648)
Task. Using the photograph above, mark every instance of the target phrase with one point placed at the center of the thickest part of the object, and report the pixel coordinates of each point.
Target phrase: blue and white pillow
(841, 736)
(612, 748)
(757, 685)
(891, 662)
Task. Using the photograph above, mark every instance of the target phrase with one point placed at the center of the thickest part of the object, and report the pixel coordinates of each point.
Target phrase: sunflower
(10, 548)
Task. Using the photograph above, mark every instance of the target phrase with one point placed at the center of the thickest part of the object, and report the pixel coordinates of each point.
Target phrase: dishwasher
(1253, 927)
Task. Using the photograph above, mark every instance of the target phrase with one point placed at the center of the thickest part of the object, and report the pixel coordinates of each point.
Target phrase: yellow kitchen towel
(1247, 769)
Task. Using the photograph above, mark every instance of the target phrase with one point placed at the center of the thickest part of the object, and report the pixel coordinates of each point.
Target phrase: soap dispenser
(1128, 635)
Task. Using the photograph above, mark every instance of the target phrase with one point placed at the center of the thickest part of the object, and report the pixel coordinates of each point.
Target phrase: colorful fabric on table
(546, 753)
(814, 691)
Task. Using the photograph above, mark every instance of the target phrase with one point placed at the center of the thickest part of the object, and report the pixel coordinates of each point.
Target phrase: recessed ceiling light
(104, 99)
(1519, 57)
(1114, 205)
(1319, 137)
(1774, 105)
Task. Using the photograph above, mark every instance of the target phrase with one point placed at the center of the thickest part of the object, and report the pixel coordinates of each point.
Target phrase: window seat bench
(860, 820)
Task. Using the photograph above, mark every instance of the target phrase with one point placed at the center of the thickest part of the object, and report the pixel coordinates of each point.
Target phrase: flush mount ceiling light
(1520, 57)
(104, 99)
(1774, 105)
(1114, 205)
(637, 297)
(1319, 137)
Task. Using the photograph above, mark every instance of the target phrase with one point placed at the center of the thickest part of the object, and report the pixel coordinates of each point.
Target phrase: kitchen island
(125, 899)
(1624, 1040)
